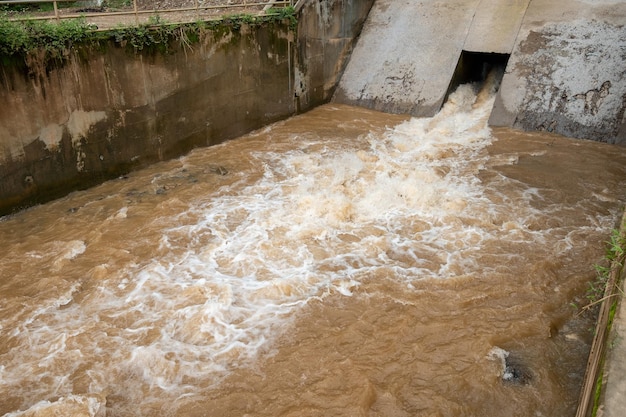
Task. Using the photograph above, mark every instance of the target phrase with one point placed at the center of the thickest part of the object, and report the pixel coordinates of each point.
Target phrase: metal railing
(188, 10)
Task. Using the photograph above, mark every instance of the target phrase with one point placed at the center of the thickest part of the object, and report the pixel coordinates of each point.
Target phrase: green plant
(597, 392)
(617, 246)
(47, 7)
(613, 257)
(271, 15)
(236, 20)
(35, 7)
(155, 35)
(284, 13)
(13, 36)
(156, 20)
(55, 39)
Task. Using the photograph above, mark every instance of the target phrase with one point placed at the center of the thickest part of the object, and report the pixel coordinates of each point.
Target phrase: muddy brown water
(341, 263)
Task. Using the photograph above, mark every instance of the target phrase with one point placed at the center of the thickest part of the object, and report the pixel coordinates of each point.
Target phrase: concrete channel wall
(566, 70)
(106, 111)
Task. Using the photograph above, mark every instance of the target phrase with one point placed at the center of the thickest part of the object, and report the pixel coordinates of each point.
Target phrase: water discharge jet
(477, 67)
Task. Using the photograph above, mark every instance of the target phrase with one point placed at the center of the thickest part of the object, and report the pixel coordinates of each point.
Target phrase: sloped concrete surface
(406, 55)
(495, 25)
(567, 72)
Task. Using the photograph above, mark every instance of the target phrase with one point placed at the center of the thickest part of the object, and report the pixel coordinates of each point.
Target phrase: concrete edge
(601, 356)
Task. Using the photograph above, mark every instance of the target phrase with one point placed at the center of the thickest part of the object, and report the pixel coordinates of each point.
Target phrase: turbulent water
(341, 263)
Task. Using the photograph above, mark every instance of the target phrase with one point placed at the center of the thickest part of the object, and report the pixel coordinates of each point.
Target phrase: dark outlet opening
(473, 67)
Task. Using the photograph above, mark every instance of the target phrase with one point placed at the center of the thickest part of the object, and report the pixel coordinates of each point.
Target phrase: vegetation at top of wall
(21, 38)
(271, 15)
(53, 41)
(159, 33)
(156, 35)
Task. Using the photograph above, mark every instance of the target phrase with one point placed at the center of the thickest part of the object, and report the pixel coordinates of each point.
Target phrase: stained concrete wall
(104, 112)
(327, 33)
(107, 111)
(566, 72)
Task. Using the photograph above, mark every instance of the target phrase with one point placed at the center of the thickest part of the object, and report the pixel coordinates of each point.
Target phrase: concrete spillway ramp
(408, 51)
(565, 61)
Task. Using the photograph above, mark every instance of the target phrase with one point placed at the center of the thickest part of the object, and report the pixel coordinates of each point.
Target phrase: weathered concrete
(105, 112)
(327, 32)
(495, 25)
(567, 72)
(613, 401)
(406, 55)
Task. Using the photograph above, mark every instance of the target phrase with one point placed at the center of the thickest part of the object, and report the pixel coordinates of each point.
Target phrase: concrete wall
(106, 111)
(327, 33)
(103, 113)
(566, 72)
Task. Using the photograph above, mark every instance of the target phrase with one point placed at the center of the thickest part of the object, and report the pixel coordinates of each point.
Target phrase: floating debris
(220, 170)
(513, 370)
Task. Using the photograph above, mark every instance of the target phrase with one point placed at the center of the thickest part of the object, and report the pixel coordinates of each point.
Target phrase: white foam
(72, 405)
(500, 355)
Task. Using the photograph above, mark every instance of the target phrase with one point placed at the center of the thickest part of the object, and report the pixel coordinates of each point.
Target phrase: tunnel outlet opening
(474, 67)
